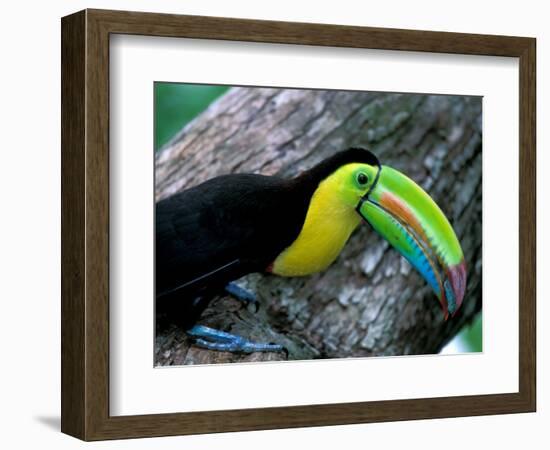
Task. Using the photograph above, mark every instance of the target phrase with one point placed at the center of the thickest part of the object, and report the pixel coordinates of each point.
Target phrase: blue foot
(212, 339)
(245, 296)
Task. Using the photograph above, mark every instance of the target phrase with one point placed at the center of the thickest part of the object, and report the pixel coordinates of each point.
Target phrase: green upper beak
(406, 216)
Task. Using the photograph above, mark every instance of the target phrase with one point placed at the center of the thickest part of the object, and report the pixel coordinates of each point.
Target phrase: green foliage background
(469, 339)
(177, 104)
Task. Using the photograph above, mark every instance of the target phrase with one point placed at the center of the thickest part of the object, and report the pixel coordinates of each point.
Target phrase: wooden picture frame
(85, 224)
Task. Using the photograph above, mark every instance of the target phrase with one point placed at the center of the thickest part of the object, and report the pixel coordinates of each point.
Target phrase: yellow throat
(328, 225)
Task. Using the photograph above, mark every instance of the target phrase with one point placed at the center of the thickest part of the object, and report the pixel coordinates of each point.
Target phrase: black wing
(221, 230)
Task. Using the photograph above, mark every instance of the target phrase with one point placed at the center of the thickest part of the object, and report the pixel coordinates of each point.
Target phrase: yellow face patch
(330, 220)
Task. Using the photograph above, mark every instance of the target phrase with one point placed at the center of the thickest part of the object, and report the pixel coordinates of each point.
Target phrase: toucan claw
(243, 295)
(212, 339)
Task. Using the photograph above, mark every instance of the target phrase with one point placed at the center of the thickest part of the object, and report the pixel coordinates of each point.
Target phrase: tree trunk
(369, 302)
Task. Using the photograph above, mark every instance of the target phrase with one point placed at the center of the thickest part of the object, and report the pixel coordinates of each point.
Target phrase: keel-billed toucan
(209, 235)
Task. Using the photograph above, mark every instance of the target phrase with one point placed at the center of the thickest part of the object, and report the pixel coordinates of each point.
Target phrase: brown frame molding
(85, 224)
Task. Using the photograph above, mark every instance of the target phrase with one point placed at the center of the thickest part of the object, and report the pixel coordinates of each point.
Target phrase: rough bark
(369, 302)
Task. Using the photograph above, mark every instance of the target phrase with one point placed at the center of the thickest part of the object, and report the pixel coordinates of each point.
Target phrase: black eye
(362, 178)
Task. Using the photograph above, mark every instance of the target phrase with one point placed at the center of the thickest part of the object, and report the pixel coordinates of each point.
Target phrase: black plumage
(227, 227)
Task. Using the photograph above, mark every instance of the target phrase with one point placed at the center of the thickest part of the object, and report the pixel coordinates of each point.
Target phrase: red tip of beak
(457, 278)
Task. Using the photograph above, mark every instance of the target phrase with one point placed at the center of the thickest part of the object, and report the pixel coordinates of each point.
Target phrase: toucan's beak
(406, 216)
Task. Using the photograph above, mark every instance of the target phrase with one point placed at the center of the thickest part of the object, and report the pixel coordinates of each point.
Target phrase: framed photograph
(271, 224)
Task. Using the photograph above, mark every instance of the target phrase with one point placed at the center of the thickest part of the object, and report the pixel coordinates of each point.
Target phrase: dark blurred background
(177, 104)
